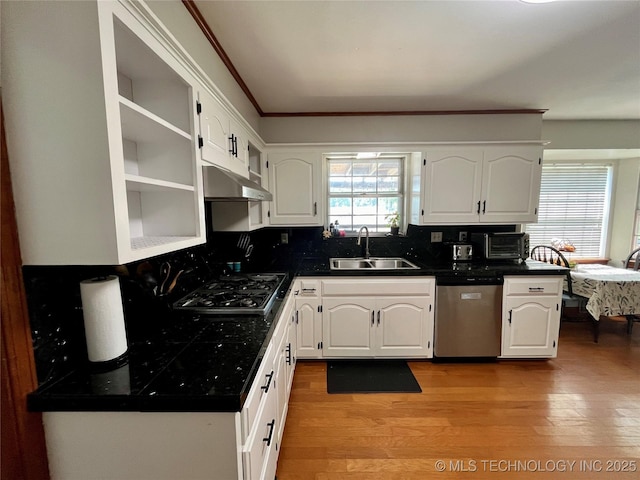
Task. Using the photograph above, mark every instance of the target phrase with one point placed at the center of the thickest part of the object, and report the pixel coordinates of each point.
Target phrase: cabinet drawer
(308, 288)
(379, 286)
(525, 285)
(263, 384)
(259, 454)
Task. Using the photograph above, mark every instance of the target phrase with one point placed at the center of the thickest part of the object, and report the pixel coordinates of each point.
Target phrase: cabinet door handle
(231, 143)
(269, 378)
(308, 290)
(315, 208)
(235, 146)
(271, 426)
(289, 354)
(510, 313)
(372, 317)
(378, 317)
(478, 212)
(484, 206)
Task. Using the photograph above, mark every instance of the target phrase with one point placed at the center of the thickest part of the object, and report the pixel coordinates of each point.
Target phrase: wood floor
(574, 417)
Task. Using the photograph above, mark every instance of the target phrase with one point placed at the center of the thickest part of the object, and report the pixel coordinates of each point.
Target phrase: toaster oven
(501, 245)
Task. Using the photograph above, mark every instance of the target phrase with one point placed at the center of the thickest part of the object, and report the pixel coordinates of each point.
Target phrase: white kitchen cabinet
(404, 327)
(294, 182)
(347, 326)
(378, 317)
(495, 185)
(101, 135)
(308, 319)
(531, 316)
(286, 364)
(378, 327)
(223, 141)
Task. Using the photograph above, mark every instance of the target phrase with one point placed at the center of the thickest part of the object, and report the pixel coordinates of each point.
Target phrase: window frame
(403, 157)
(606, 204)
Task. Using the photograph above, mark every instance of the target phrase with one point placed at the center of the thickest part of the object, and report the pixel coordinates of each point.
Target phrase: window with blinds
(574, 206)
(365, 191)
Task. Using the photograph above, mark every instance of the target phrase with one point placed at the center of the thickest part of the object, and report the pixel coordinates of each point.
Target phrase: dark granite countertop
(191, 363)
(197, 363)
(318, 266)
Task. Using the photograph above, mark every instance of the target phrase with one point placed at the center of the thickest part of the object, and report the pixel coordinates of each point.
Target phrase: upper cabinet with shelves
(104, 157)
(491, 184)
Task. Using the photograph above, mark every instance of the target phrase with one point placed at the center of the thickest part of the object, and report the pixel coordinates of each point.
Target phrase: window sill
(591, 261)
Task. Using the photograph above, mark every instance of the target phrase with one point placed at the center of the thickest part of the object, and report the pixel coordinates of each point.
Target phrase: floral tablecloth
(611, 291)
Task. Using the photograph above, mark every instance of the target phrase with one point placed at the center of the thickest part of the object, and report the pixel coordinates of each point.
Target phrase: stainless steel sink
(373, 263)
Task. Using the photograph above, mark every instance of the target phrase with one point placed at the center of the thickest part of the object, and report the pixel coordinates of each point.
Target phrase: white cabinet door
(511, 184)
(308, 328)
(294, 182)
(404, 327)
(223, 141)
(531, 316)
(451, 184)
(286, 364)
(347, 326)
(260, 455)
(214, 129)
(490, 185)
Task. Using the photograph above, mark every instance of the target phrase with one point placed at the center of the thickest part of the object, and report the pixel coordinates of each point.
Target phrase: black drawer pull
(271, 426)
(266, 387)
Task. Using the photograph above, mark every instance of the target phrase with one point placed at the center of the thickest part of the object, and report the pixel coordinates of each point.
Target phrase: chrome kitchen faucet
(366, 248)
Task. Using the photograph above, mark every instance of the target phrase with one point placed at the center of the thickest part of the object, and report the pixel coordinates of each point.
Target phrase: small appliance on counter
(462, 252)
(501, 246)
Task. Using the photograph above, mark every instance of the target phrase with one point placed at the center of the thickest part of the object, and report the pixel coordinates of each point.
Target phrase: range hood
(224, 186)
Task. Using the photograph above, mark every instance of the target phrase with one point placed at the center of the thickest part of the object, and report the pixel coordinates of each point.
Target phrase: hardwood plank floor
(573, 417)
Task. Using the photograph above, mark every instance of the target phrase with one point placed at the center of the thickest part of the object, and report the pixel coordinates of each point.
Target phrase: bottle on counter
(336, 225)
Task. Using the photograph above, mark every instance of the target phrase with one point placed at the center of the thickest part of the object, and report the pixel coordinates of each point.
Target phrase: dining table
(611, 291)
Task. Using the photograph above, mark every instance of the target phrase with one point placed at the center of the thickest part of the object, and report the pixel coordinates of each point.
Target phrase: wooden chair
(635, 257)
(636, 260)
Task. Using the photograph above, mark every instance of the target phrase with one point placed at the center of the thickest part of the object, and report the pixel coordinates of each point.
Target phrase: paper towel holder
(105, 330)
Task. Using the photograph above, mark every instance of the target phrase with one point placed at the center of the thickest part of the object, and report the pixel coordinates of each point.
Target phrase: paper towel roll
(103, 318)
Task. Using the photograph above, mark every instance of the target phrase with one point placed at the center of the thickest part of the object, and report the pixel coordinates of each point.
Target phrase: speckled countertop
(206, 363)
(194, 363)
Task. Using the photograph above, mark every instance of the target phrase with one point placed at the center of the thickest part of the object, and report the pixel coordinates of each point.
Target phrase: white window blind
(574, 206)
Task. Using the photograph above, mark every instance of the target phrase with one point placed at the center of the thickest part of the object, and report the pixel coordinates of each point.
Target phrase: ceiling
(574, 59)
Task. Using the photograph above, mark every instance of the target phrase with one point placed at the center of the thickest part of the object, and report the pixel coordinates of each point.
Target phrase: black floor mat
(370, 376)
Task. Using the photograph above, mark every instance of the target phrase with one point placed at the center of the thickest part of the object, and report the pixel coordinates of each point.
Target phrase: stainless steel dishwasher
(468, 316)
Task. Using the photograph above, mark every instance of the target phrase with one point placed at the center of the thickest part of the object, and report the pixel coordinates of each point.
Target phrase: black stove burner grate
(249, 293)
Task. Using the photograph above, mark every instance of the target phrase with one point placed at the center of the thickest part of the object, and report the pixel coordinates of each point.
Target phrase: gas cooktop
(251, 293)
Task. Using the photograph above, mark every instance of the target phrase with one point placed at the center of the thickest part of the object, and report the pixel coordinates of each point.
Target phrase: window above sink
(365, 189)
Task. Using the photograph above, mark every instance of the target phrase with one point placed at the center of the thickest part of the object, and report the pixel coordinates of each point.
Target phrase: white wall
(405, 128)
(625, 200)
(592, 134)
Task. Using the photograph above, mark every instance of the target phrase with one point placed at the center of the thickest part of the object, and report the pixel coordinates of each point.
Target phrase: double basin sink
(373, 263)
